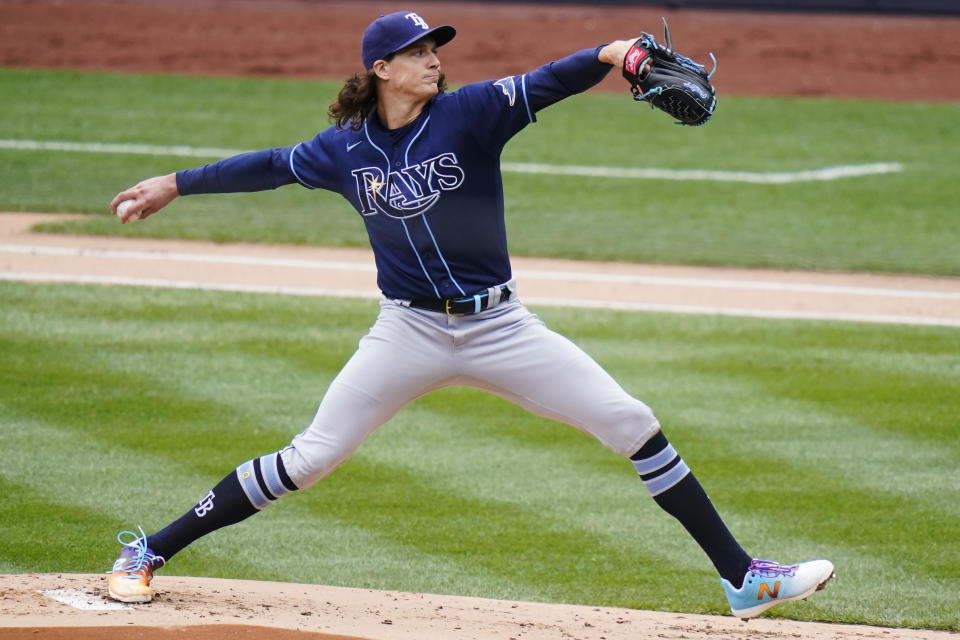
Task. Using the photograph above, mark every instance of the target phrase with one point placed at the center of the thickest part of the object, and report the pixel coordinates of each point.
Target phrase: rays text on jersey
(409, 191)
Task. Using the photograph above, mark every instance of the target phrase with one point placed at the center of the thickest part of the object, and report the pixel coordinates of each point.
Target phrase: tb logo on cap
(417, 20)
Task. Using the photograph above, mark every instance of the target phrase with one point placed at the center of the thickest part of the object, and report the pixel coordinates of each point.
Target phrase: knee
(632, 429)
(308, 463)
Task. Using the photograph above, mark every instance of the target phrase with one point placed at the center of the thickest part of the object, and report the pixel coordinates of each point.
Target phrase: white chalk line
(755, 285)
(753, 177)
(82, 601)
(175, 256)
(634, 173)
(743, 312)
(533, 274)
(125, 148)
(615, 305)
(166, 283)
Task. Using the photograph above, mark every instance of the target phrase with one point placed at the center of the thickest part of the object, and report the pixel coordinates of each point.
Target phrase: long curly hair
(358, 97)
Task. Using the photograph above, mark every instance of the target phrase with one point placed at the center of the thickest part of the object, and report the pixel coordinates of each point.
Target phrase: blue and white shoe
(768, 583)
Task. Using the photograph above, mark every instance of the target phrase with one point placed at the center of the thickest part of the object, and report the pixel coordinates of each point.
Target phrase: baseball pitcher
(421, 167)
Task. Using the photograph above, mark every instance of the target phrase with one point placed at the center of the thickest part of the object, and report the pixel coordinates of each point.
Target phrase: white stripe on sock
(665, 481)
(268, 466)
(248, 482)
(651, 464)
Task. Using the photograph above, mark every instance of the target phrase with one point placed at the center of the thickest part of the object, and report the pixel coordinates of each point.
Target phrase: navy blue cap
(394, 31)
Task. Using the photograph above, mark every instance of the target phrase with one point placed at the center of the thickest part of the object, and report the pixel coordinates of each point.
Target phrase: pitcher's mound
(75, 606)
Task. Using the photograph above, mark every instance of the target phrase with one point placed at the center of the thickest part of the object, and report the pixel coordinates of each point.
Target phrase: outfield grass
(904, 222)
(121, 406)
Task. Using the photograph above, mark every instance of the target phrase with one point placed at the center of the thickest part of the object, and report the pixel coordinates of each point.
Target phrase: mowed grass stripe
(79, 470)
(507, 505)
(37, 530)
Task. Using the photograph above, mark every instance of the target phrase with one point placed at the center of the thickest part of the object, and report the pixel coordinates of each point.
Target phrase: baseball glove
(669, 81)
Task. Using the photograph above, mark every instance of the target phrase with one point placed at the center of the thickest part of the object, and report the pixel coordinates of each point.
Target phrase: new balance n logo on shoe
(205, 505)
(765, 588)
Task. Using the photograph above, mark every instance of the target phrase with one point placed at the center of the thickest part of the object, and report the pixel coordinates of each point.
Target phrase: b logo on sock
(205, 505)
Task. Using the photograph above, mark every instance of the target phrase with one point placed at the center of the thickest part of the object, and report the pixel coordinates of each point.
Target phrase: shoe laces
(771, 569)
(144, 558)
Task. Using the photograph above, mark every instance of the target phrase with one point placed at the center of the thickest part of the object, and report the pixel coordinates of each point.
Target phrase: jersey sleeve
(313, 163)
(557, 80)
(497, 110)
(254, 171)
(307, 163)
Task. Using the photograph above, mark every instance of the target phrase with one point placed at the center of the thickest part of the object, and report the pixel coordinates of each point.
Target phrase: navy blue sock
(675, 489)
(243, 492)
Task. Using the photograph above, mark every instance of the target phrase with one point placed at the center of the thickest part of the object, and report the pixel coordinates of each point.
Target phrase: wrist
(174, 185)
(614, 52)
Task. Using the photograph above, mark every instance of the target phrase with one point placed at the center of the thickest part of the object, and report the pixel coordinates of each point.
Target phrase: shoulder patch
(509, 88)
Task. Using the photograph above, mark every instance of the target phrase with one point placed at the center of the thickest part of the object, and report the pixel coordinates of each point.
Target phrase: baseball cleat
(768, 583)
(131, 574)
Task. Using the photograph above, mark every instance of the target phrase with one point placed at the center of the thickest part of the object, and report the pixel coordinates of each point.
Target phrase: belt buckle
(479, 304)
(447, 303)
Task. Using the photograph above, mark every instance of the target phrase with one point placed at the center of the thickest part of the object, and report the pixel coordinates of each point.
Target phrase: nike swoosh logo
(351, 146)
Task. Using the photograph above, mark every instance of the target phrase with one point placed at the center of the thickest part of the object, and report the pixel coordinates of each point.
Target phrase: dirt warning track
(336, 272)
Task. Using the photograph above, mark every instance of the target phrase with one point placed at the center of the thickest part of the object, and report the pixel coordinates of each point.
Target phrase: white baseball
(122, 209)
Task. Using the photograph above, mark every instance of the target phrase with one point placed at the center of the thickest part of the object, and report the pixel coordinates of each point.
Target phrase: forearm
(557, 80)
(581, 70)
(254, 171)
(565, 77)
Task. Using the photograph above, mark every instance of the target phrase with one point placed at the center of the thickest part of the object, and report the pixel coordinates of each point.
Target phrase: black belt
(466, 306)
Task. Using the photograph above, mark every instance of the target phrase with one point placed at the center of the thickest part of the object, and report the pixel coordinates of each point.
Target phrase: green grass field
(122, 406)
(903, 222)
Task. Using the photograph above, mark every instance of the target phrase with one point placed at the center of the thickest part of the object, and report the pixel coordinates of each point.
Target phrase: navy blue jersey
(430, 193)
